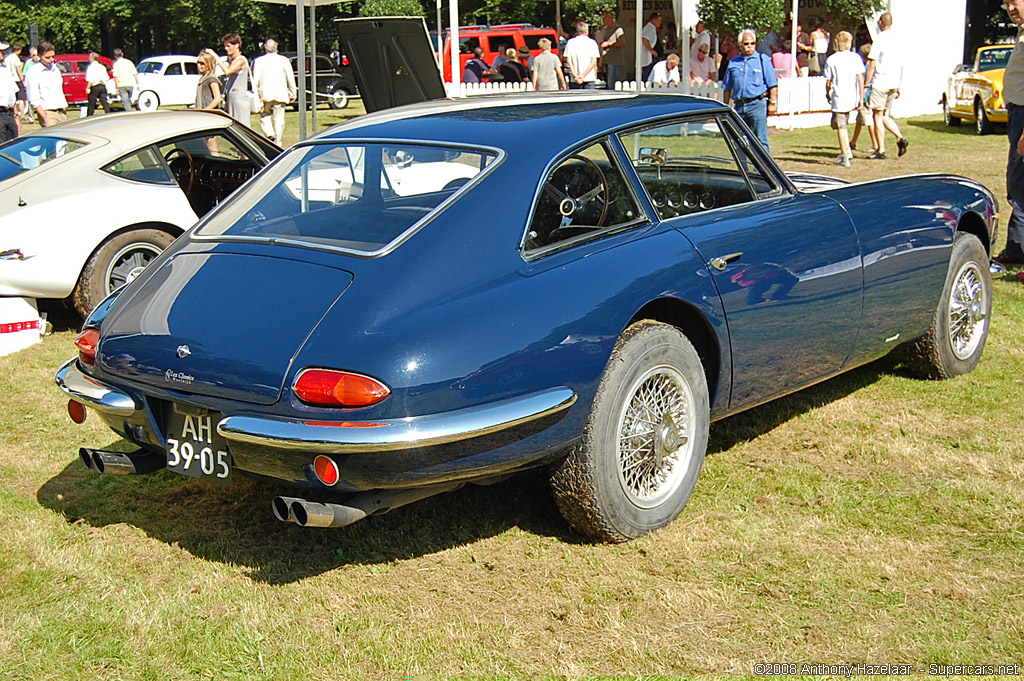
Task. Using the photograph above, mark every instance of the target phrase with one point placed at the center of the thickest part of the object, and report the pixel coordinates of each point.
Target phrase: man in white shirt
(581, 55)
(8, 100)
(844, 89)
(274, 81)
(96, 78)
(885, 75)
(46, 89)
(650, 44)
(665, 71)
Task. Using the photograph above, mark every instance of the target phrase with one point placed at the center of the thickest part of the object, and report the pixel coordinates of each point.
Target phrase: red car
(73, 67)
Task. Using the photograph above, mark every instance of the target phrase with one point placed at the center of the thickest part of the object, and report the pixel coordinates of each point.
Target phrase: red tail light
(86, 343)
(339, 388)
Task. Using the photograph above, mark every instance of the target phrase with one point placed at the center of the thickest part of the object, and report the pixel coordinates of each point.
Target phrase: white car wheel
(148, 101)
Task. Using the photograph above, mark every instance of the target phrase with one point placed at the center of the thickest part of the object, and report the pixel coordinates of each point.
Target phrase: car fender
(56, 237)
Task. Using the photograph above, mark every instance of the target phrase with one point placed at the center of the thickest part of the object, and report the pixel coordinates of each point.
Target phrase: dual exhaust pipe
(286, 509)
(121, 463)
(314, 514)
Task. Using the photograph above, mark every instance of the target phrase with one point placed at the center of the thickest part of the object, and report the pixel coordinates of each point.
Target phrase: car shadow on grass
(234, 523)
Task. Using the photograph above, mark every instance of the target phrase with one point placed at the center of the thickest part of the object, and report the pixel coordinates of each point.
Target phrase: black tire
(947, 116)
(956, 338)
(116, 262)
(981, 122)
(610, 493)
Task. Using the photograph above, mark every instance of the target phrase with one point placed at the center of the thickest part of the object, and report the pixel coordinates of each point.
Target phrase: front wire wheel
(645, 439)
(956, 338)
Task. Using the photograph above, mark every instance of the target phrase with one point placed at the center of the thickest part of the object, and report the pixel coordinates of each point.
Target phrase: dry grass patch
(871, 518)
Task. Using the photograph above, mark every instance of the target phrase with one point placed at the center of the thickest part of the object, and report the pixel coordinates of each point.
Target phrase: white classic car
(168, 80)
(85, 205)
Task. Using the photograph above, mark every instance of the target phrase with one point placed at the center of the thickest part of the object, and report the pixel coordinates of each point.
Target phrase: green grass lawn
(874, 518)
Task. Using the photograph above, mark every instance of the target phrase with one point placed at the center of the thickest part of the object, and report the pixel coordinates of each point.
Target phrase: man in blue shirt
(751, 84)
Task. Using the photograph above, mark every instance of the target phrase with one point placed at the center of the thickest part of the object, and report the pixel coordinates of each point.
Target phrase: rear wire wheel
(644, 443)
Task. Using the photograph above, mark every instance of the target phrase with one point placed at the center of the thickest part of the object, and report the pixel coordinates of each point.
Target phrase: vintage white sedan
(168, 80)
(84, 206)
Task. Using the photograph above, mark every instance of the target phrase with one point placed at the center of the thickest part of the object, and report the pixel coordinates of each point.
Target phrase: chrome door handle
(721, 262)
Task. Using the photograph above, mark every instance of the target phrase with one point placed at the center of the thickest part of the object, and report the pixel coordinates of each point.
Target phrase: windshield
(996, 58)
(26, 153)
(357, 197)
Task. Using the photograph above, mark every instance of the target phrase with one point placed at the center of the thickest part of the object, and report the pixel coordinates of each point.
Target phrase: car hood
(220, 324)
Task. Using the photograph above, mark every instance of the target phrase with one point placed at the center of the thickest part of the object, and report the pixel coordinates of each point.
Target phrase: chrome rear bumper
(92, 393)
(340, 437)
(350, 437)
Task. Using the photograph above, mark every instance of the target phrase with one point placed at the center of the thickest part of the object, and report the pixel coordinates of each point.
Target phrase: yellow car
(975, 93)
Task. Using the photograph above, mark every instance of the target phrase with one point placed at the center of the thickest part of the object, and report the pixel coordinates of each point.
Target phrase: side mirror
(653, 156)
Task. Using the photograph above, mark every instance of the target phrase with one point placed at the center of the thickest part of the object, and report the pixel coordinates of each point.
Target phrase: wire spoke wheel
(967, 311)
(653, 437)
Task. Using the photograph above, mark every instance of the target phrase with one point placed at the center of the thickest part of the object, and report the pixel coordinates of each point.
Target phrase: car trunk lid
(220, 324)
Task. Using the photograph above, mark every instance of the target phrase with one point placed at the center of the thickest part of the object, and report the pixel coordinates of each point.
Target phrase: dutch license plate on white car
(195, 448)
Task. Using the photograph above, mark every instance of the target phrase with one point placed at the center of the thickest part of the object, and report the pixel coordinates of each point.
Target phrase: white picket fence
(796, 95)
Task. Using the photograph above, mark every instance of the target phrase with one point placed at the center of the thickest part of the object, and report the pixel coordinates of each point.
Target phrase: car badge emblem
(183, 351)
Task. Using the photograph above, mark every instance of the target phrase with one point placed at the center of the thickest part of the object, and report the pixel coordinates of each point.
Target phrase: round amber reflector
(77, 412)
(339, 388)
(326, 470)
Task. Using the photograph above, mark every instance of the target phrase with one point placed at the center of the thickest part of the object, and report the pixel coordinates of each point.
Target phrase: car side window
(142, 166)
(467, 45)
(173, 69)
(689, 167)
(64, 67)
(585, 194)
(191, 69)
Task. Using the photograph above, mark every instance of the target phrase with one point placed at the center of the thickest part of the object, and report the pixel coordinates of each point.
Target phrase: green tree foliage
(588, 10)
(731, 16)
(391, 8)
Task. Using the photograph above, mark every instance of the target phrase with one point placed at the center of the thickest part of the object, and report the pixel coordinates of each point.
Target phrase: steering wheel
(181, 166)
(576, 187)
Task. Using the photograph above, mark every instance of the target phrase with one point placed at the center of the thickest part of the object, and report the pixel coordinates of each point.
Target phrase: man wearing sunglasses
(1013, 95)
(751, 85)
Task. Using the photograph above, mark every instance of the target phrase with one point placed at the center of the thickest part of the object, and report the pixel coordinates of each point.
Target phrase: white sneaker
(842, 160)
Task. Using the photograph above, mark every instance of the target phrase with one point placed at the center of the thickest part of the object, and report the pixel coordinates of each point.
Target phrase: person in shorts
(885, 74)
(844, 89)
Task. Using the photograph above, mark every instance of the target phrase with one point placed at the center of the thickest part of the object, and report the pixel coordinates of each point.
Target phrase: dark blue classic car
(451, 292)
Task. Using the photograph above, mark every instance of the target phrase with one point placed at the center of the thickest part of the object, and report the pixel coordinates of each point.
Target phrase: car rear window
(362, 198)
(26, 153)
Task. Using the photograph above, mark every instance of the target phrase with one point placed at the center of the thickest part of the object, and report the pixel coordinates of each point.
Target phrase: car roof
(519, 121)
(170, 57)
(135, 129)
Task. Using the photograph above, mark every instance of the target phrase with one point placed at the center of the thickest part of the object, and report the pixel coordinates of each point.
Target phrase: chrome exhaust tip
(121, 463)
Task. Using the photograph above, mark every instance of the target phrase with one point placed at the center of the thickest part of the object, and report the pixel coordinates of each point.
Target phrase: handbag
(255, 104)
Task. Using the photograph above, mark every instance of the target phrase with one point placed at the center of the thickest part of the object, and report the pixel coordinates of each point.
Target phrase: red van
(72, 67)
(491, 39)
